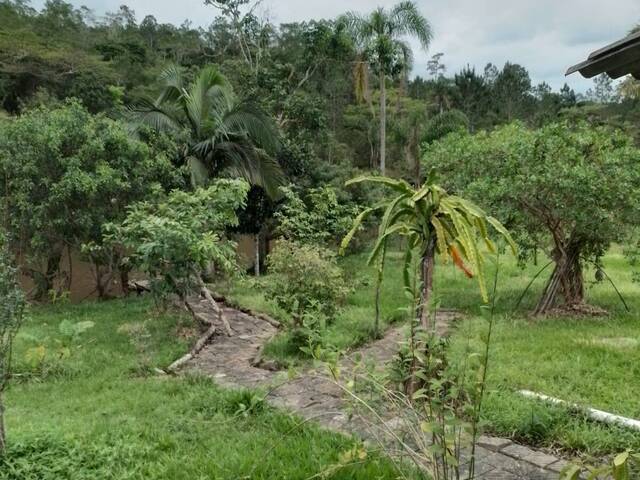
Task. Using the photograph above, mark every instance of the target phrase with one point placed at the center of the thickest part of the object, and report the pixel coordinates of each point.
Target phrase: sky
(545, 36)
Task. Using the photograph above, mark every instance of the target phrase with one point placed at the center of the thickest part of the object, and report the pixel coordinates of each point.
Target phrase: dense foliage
(174, 239)
(12, 303)
(225, 133)
(569, 190)
(321, 218)
(104, 119)
(65, 173)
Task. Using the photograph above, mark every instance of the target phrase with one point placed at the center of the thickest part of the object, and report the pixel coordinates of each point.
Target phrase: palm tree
(379, 36)
(225, 133)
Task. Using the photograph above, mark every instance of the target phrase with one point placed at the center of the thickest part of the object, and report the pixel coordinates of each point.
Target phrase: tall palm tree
(225, 133)
(379, 36)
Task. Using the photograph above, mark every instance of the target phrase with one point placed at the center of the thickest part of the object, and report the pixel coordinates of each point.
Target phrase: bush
(174, 239)
(306, 279)
(318, 218)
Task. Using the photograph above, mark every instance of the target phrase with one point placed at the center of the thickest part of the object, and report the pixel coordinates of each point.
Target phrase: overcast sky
(546, 36)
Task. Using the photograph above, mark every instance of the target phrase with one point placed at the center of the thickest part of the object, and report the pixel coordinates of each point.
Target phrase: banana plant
(433, 222)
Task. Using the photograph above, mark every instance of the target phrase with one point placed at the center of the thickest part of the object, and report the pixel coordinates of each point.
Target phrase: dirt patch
(577, 310)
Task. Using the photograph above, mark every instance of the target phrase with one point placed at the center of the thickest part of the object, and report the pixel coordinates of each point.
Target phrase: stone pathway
(229, 360)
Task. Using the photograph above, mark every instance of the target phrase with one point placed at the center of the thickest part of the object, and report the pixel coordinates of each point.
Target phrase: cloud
(545, 36)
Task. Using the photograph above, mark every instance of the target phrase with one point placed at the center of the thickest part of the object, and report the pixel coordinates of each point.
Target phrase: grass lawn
(592, 361)
(98, 413)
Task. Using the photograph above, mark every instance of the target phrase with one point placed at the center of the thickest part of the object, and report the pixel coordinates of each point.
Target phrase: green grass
(580, 360)
(353, 325)
(100, 414)
(566, 358)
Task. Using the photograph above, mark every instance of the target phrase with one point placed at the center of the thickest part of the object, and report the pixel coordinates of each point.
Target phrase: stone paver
(229, 360)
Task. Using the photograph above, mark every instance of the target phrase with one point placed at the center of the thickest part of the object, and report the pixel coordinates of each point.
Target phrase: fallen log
(199, 345)
(204, 291)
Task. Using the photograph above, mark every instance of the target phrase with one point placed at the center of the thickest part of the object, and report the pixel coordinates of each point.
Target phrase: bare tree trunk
(45, 282)
(383, 123)
(104, 276)
(426, 274)
(3, 435)
(376, 325)
(566, 279)
(70, 276)
(427, 267)
(257, 254)
(124, 281)
(214, 305)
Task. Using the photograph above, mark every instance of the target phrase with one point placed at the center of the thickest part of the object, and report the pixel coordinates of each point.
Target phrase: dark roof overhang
(616, 60)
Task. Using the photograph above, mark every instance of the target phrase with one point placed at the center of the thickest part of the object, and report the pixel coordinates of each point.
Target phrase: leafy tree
(12, 305)
(226, 134)
(433, 222)
(445, 123)
(629, 89)
(174, 239)
(511, 89)
(567, 96)
(379, 36)
(548, 104)
(473, 96)
(570, 190)
(65, 172)
(319, 218)
(603, 90)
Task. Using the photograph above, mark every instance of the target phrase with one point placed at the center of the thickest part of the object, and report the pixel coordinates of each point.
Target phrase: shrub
(306, 279)
(175, 239)
(318, 218)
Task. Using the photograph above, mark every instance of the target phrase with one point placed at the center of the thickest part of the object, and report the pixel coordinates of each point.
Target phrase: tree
(603, 90)
(511, 89)
(432, 222)
(175, 238)
(435, 67)
(567, 189)
(251, 35)
(379, 36)
(319, 218)
(12, 305)
(65, 172)
(473, 96)
(567, 96)
(225, 133)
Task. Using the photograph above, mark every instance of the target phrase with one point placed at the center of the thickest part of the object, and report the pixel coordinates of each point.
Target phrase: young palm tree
(379, 35)
(225, 133)
(433, 222)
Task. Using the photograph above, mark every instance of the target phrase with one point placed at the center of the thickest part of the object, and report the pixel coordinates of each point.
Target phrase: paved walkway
(314, 396)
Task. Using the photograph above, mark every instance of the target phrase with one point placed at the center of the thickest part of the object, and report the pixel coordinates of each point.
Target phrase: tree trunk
(427, 266)
(257, 254)
(422, 314)
(566, 280)
(383, 123)
(45, 282)
(124, 281)
(3, 436)
(104, 276)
